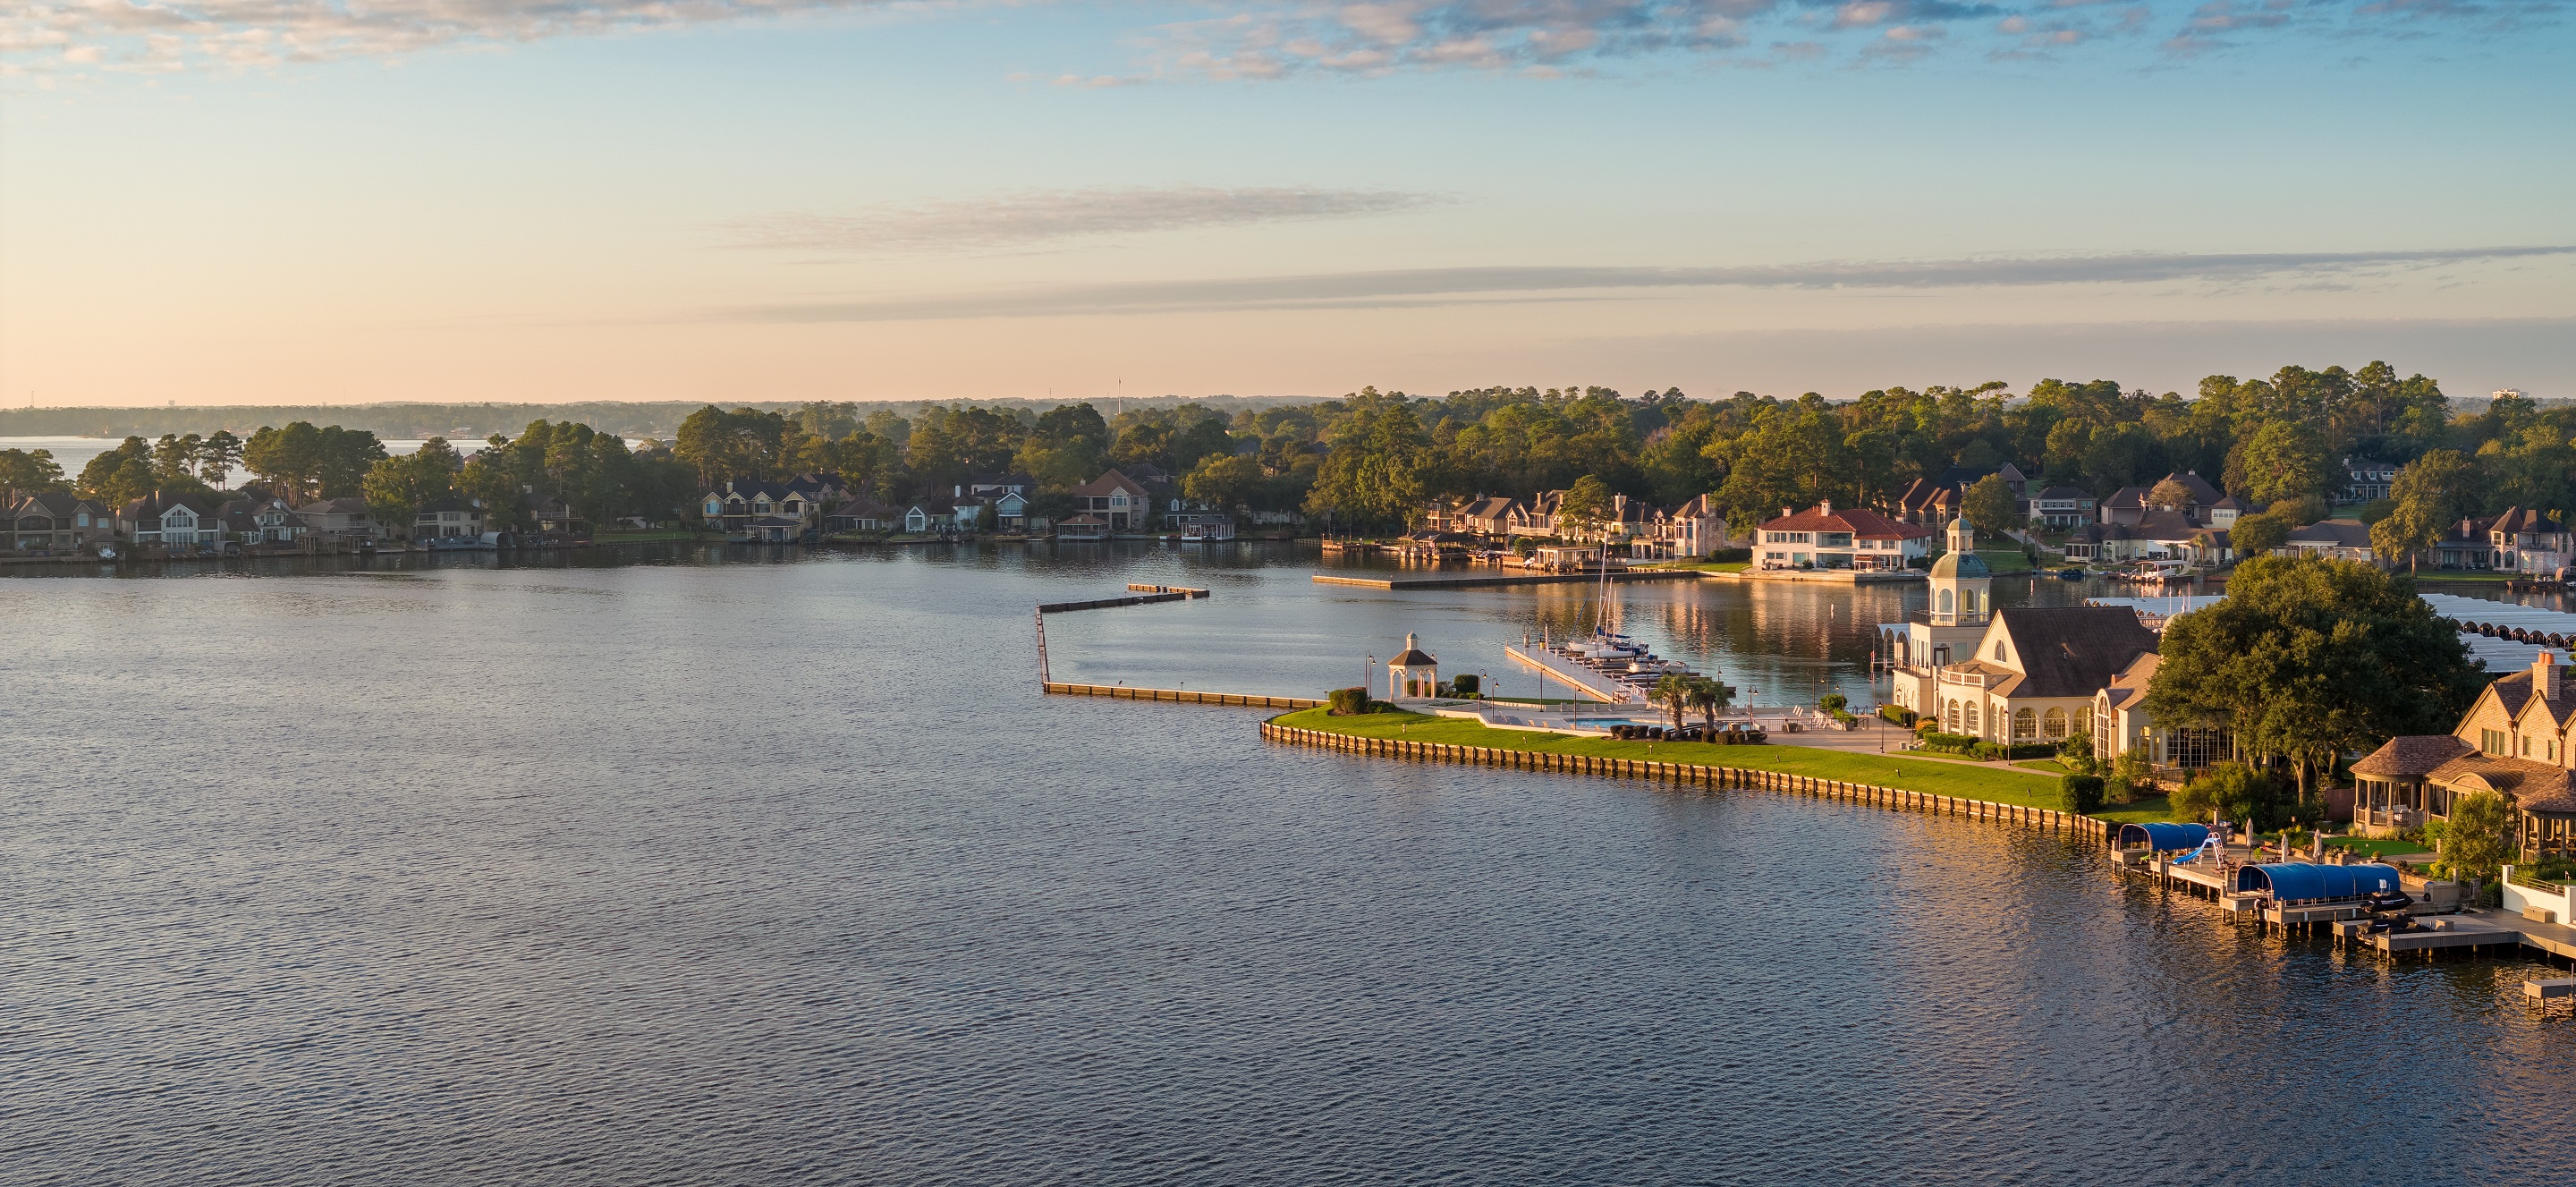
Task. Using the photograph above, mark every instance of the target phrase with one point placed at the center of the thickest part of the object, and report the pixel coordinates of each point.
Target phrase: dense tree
(29, 470)
(218, 457)
(1989, 504)
(2482, 834)
(397, 487)
(2307, 658)
(303, 463)
(743, 443)
(2254, 535)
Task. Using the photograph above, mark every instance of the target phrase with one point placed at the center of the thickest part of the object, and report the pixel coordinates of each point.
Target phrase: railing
(2515, 875)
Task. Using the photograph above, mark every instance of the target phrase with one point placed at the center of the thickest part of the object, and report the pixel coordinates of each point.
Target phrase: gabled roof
(56, 503)
(2202, 492)
(339, 506)
(1111, 481)
(2064, 492)
(2333, 533)
(157, 504)
(1923, 494)
(1823, 517)
(2412, 757)
(2164, 526)
(2525, 519)
(2072, 651)
(1489, 507)
(2131, 684)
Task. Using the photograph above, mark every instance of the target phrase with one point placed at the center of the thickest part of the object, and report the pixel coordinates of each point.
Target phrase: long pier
(1129, 692)
(1497, 579)
(1699, 774)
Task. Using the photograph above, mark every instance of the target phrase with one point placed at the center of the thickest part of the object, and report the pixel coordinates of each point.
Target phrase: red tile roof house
(1831, 539)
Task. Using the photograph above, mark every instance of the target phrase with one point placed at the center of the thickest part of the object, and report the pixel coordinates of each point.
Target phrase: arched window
(2083, 723)
(1999, 651)
(2053, 726)
(1950, 718)
(2026, 724)
(1972, 717)
(1945, 601)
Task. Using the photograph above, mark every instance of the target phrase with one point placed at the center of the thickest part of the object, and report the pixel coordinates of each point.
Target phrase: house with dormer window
(170, 522)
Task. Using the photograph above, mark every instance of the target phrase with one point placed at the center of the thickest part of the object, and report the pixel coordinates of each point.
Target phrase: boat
(2071, 574)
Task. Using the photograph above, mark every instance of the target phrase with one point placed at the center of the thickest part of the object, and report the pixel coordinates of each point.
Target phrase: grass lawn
(1911, 774)
(2048, 766)
(2376, 847)
(2002, 560)
(1701, 566)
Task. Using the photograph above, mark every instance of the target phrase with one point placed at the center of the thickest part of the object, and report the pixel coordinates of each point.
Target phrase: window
(1945, 601)
(1972, 717)
(1999, 651)
(2026, 724)
(2053, 726)
(1950, 717)
(2492, 742)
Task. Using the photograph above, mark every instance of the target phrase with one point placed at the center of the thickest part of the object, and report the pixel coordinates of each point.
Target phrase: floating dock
(1151, 595)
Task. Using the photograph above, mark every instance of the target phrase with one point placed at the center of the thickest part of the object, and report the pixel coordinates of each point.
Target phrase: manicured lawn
(2145, 811)
(1911, 774)
(1702, 566)
(2047, 766)
(1999, 560)
(2377, 846)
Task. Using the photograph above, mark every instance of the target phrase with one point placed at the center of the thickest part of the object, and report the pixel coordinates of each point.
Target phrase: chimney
(1826, 506)
(2544, 674)
(1786, 512)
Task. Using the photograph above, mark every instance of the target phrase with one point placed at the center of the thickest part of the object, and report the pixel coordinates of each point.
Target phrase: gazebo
(1413, 673)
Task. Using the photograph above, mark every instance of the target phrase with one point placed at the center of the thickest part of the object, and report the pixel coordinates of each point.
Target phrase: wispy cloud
(1249, 39)
(1037, 216)
(1450, 286)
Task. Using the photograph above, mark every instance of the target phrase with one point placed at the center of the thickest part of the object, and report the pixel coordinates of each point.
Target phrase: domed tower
(1412, 673)
(1960, 580)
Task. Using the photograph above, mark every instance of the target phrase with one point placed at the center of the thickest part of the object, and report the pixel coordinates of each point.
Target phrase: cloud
(1454, 286)
(1249, 40)
(1037, 216)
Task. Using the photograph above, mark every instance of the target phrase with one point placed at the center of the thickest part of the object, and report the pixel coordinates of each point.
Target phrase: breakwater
(1149, 595)
(1497, 579)
(1129, 692)
(1699, 774)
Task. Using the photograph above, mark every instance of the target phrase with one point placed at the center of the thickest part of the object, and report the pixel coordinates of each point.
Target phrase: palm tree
(1711, 698)
(1673, 690)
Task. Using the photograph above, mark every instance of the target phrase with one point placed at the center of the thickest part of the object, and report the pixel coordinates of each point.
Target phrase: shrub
(1729, 555)
(2251, 798)
(1986, 752)
(1467, 685)
(1898, 714)
(2077, 753)
(2080, 794)
(1833, 702)
(1346, 702)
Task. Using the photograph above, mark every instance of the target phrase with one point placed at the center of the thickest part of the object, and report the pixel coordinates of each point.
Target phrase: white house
(1824, 538)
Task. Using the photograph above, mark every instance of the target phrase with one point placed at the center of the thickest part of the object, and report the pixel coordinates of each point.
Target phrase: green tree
(2307, 658)
(29, 470)
(2429, 495)
(1711, 698)
(2482, 834)
(1225, 480)
(1672, 690)
(2285, 459)
(397, 487)
(110, 475)
(1587, 505)
(219, 457)
(2254, 535)
(2170, 495)
(2235, 792)
(1989, 504)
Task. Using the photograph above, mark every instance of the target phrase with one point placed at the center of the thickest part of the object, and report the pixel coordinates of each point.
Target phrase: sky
(277, 201)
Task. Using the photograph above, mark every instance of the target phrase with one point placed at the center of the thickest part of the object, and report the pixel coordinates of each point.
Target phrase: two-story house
(2368, 479)
(2529, 540)
(52, 521)
(1121, 502)
(338, 519)
(2518, 739)
(2062, 507)
(172, 522)
(1825, 538)
(448, 519)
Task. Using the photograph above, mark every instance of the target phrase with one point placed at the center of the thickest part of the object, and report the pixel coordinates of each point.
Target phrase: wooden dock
(1702, 775)
(1498, 579)
(1127, 692)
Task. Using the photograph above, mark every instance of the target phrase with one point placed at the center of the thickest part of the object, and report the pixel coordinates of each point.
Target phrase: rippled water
(678, 871)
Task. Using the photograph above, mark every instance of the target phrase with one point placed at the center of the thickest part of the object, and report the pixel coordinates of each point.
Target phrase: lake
(686, 865)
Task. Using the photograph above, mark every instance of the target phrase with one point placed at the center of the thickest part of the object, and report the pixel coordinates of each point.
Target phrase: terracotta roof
(2412, 756)
(2072, 651)
(1856, 520)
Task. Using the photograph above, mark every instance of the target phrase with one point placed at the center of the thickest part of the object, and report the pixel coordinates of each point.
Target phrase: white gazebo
(1413, 673)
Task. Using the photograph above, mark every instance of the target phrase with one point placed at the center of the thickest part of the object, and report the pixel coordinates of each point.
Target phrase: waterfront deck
(1129, 692)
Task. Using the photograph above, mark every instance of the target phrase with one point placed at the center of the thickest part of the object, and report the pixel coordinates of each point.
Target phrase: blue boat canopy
(2162, 837)
(2296, 880)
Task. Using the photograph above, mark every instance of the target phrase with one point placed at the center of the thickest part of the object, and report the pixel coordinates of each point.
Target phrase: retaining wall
(1699, 774)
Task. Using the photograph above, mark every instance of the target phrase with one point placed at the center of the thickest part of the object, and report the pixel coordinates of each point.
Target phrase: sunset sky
(270, 201)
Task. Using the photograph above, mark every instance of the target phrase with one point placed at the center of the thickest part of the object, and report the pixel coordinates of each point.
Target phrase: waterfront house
(2128, 505)
(553, 515)
(1535, 517)
(2529, 540)
(1958, 603)
(2121, 724)
(2036, 672)
(2518, 739)
(2333, 539)
(2062, 507)
(448, 519)
(1116, 498)
(860, 513)
(1083, 525)
(172, 522)
(53, 521)
(253, 522)
(762, 511)
(2465, 545)
(1926, 502)
(1825, 538)
(1489, 516)
(337, 519)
